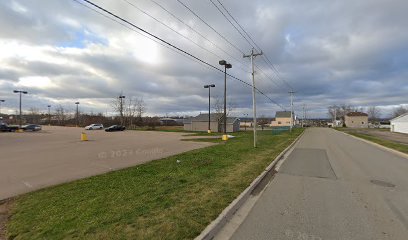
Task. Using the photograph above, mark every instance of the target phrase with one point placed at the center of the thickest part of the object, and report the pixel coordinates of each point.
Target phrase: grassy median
(386, 143)
(172, 198)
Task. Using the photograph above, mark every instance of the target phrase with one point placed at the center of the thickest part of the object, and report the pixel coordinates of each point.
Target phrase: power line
(231, 23)
(268, 62)
(196, 15)
(197, 32)
(222, 5)
(170, 45)
(170, 28)
(208, 25)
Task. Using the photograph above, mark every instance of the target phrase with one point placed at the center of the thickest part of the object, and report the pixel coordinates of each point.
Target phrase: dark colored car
(115, 128)
(31, 127)
(5, 128)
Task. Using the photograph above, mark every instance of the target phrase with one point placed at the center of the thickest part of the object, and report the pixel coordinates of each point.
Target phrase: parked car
(94, 127)
(31, 127)
(115, 128)
(5, 128)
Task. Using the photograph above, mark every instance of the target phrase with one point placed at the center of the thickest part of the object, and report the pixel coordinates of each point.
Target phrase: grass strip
(386, 143)
(171, 198)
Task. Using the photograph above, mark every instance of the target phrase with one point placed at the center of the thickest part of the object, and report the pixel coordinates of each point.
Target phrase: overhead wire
(171, 45)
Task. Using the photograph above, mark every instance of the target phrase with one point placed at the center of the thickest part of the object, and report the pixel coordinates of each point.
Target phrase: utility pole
(291, 111)
(252, 56)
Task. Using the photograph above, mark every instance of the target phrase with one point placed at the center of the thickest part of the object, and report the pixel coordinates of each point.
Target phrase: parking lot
(34, 160)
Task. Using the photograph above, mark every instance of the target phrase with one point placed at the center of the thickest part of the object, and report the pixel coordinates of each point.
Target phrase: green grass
(390, 144)
(162, 199)
(386, 143)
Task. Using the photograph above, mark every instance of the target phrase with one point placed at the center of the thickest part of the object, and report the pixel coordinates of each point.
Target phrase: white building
(400, 124)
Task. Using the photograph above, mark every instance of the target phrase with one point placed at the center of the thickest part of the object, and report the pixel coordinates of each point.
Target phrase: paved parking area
(34, 160)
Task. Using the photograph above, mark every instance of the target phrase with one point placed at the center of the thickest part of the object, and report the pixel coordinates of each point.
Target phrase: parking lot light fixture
(49, 115)
(1, 101)
(226, 65)
(121, 97)
(20, 92)
(77, 114)
(209, 105)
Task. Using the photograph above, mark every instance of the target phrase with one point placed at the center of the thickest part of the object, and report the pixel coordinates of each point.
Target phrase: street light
(121, 97)
(49, 115)
(1, 101)
(77, 114)
(209, 105)
(226, 65)
(20, 92)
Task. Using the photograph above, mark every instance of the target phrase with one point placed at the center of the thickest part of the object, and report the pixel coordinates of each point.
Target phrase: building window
(279, 122)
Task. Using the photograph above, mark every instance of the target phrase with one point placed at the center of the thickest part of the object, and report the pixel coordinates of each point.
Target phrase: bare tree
(60, 114)
(374, 113)
(399, 111)
(218, 106)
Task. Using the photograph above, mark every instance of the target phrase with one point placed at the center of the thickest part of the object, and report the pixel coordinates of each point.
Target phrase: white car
(94, 127)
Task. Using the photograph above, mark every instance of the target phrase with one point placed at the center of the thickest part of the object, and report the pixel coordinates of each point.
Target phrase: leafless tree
(399, 111)
(218, 106)
(374, 113)
(60, 114)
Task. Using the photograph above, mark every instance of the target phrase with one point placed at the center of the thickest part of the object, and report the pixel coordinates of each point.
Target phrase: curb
(215, 226)
(401, 154)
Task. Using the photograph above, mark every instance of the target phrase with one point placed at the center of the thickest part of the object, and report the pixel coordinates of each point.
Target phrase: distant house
(356, 120)
(282, 119)
(400, 124)
(200, 123)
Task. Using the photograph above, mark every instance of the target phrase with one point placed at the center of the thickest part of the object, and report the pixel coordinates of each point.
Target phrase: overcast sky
(330, 52)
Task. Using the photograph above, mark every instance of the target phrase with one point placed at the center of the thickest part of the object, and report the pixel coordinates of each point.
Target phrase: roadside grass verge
(386, 143)
(171, 198)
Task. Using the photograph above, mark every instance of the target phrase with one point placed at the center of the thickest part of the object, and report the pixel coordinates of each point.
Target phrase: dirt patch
(5, 207)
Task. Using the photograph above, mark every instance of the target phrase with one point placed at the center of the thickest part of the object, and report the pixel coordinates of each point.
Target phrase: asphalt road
(34, 160)
(332, 186)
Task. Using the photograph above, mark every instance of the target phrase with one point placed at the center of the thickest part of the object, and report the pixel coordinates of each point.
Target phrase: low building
(400, 124)
(282, 119)
(200, 123)
(356, 120)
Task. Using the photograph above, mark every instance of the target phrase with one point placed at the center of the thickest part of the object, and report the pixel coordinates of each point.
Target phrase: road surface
(332, 186)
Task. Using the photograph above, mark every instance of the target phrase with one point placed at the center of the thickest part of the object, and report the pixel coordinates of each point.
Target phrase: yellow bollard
(84, 137)
(208, 131)
(224, 137)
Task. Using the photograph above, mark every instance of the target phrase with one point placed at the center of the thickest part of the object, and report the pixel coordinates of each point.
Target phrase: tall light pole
(121, 97)
(226, 65)
(20, 92)
(49, 115)
(209, 105)
(77, 114)
(291, 111)
(1, 101)
(252, 56)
